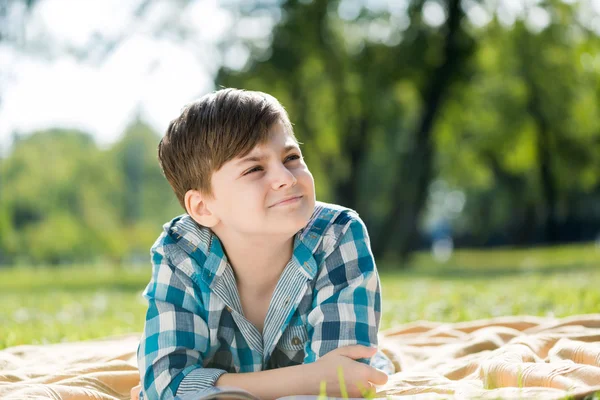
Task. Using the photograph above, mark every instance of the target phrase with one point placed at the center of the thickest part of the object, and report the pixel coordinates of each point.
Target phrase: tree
(340, 81)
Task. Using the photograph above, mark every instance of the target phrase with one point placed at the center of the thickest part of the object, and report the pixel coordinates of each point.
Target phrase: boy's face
(270, 191)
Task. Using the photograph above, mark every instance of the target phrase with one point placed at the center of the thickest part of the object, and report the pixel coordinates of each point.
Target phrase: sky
(44, 86)
(144, 76)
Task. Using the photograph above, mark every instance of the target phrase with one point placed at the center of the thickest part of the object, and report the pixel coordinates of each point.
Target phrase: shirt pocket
(293, 338)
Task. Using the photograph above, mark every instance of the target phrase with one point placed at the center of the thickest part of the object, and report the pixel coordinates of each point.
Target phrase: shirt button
(296, 341)
(228, 309)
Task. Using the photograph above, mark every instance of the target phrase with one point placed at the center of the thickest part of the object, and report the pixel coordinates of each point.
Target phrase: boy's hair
(218, 127)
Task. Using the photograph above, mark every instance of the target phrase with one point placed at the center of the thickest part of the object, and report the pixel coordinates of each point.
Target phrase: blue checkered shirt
(328, 296)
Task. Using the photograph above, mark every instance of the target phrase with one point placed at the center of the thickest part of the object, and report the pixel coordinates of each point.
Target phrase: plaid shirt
(328, 296)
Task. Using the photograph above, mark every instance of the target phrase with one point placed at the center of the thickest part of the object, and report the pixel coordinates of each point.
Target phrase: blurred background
(466, 133)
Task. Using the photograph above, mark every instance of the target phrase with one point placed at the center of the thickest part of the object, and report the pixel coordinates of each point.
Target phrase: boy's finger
(378, 377)
(357, 351)
(362, 389)
(135, 392)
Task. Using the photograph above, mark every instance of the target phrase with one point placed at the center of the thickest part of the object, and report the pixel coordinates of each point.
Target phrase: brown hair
(218, 127)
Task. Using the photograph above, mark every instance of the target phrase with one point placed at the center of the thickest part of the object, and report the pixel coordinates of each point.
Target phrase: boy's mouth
(286, 201)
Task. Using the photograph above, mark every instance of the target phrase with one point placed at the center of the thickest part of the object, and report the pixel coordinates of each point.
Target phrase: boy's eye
(292, 157)
(253, 169)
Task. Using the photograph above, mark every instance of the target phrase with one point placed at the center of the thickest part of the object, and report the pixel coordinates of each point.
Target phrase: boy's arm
(347, 299)
(175, 335)
(307, 379)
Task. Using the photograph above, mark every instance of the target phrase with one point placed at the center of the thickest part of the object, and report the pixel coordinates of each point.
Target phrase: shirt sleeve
(175, 334)
(347, 298)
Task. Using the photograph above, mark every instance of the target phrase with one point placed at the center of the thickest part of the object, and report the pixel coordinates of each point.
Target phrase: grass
(556, 281)
(48, 305)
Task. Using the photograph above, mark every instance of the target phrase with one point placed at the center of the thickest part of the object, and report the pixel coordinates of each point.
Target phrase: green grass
(48, 305)
(558, 281)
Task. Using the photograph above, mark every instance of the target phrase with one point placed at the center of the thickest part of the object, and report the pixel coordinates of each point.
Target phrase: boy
(257, 286)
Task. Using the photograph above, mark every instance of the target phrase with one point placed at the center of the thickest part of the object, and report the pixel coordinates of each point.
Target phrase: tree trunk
(544, 149)
(410, 189)
(521, 226)
(546, 177)
(355, 147)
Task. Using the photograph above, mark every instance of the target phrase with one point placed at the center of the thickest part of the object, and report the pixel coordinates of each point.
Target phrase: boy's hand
(135, 392)
(357, 376)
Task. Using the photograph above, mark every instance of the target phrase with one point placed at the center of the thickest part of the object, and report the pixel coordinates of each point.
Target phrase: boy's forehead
(278, 139)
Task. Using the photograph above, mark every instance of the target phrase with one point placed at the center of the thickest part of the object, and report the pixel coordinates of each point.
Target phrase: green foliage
(514, 138)
(518, 130)
(65, 200)
(514, 126)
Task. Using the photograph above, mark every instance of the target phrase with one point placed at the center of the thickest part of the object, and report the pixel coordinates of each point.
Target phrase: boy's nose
(284, 178)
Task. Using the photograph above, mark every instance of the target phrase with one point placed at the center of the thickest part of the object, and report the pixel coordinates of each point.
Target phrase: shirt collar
(201, 244)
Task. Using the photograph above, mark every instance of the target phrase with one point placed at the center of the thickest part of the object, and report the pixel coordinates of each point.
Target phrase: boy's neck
(257, 262)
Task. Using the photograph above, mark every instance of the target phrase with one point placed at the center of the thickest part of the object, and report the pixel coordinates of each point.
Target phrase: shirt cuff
(382, 363)
(199, 379)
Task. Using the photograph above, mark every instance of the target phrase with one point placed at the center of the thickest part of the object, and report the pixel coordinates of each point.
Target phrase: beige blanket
(502, 358)
(100, 370)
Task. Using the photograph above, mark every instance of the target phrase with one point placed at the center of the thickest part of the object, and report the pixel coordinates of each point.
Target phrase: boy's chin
(292, 225)
(290, 221)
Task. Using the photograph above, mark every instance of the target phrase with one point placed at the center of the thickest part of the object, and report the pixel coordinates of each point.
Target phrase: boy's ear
(196, 207)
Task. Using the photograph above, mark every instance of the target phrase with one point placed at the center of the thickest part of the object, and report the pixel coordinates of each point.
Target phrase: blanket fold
(504, 358)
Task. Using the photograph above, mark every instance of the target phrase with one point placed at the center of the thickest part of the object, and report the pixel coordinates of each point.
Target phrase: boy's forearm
(274, 383)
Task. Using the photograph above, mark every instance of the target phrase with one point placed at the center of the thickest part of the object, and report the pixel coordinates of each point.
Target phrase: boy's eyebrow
(263, 157)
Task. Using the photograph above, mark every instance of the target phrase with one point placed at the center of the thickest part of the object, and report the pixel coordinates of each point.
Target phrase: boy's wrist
(307, 379)
(303, 379)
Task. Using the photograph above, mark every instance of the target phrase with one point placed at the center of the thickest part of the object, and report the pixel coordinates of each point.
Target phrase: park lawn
(48, 305)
